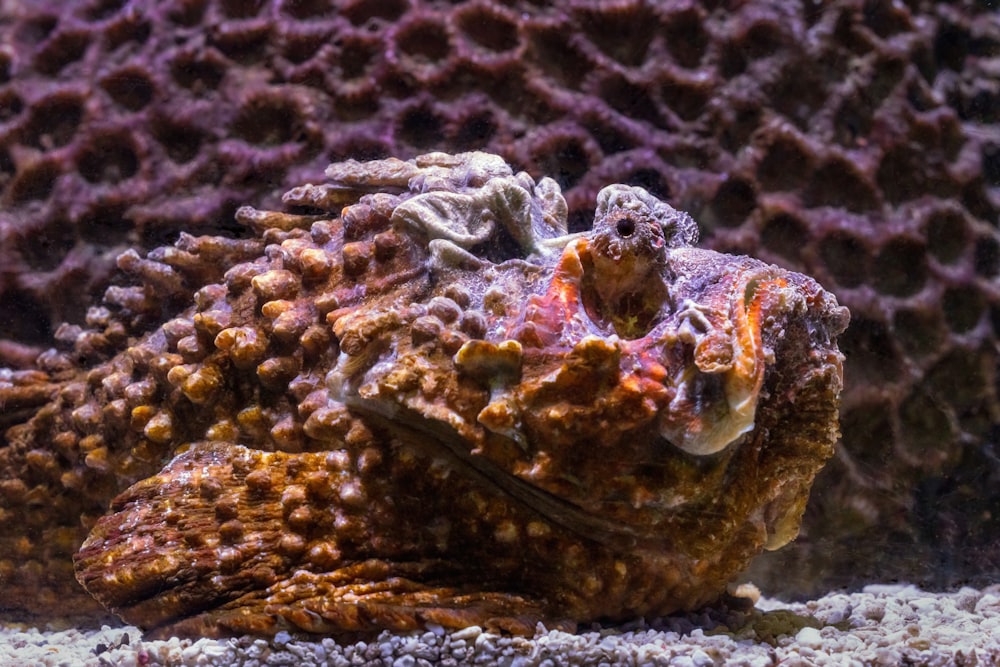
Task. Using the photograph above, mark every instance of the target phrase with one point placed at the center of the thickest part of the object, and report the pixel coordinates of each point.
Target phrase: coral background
(856, 141)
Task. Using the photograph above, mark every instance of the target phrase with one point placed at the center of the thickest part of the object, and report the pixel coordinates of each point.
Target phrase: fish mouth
(439, 438)
(718, 389)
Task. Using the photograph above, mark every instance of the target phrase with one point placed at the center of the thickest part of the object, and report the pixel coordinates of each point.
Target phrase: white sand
(882, 625)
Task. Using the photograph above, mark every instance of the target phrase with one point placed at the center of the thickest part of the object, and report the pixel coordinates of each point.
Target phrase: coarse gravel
(881, 625)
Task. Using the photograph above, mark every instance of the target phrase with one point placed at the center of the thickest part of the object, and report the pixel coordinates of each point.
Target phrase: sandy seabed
(880, 625)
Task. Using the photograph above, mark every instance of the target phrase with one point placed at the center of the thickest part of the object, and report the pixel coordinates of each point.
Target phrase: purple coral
(856, 141)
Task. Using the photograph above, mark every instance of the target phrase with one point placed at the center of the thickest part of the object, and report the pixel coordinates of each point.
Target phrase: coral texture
(857, 141)
(424, 401)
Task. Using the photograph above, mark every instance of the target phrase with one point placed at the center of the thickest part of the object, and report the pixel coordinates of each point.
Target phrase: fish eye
(625, 227)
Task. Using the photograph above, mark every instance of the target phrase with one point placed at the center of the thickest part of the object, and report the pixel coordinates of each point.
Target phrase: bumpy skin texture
(856, 141)
(432, 405)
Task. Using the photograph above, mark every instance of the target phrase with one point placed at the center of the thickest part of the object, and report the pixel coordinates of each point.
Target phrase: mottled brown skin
(434, 406)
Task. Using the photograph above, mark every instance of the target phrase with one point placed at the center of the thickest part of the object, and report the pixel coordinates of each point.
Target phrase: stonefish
(415, 399)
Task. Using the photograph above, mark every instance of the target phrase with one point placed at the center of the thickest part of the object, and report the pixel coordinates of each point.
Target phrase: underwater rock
(422, 401)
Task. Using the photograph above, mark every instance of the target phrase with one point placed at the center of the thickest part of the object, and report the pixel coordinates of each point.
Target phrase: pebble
(882, 625)
(809, 637)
